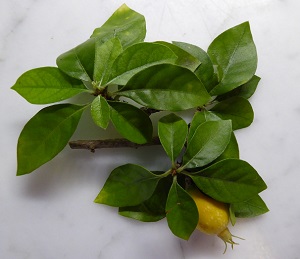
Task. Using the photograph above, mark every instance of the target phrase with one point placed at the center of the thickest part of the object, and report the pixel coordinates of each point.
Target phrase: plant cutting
(125, 80)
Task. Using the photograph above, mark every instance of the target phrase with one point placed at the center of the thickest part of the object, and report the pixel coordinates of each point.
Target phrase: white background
(50, 213)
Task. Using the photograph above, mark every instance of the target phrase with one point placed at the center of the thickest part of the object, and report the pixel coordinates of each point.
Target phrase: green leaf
(231, 151)
(125, 24)
(229, 181)
(128, 185)
(106, 53)
(234, 54)
(45, 135)
(252, 207)
(137, 58)
(100, 112)
(232, 216)
(166, 87)
(198, 118)
(47, 85)
(131, 122)
(172, 132)
(237, 109)
(182, 212)
(207, 143)
(184, 58)
(152, 209)
(205, 71)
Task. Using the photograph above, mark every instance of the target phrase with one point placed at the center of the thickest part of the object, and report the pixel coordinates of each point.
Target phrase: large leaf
(131, 122)
(166, 87)
(230, 181)
(100, 112)
(47, 85)
(128, 185)
(125, 24)
(138, 57)
(45, 135)
(182, 212)
(172, 132)
(234, 53)
(205, 71)
(237, 109)
(208, 142)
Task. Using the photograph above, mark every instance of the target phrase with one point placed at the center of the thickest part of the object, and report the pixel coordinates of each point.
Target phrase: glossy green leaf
(234, 54)
(125, 24)
(128, 185)
(205, 71)
(182, 212)
(47, 85)
(237, 109)
(172, 132)
(45, 135)
(100, 112)
(105, 55)
(138, 57)
(252, 207)
(207, 143)
(152, 209)
(198, 118)
(184, 58)
(231, 151)
(131, 122)
(230, 181)
(166, 87)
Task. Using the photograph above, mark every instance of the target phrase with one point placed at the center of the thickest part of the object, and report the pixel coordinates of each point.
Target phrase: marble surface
(50, 213)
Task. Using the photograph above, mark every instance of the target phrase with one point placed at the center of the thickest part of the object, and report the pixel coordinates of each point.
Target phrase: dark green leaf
(207, 143)
(166, 87)
(138, 57)
(182, 212)
(47, 85)
(45, 135)
(230, 181)
(253, 207)
(172, 132)
(128, 185)
(237, 109)
(100, 112)
(198, 118)
(131, 122)
(234, 53)
(125, 24)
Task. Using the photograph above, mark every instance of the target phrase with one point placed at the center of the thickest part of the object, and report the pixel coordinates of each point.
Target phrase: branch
(109, 143)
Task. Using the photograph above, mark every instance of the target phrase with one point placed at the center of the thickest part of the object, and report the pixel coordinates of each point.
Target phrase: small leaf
(100, 112)
(207, 143)
(125, 24)
(128, 185)
(172, 132)
(166, 87)
(252, 207)
(137, 58)
(198, 118)
(182, 212)
(237, 109)
(46, 134)
(229, 181)
(47, 85)
(131, 122)
(234, 54)
(232, 216)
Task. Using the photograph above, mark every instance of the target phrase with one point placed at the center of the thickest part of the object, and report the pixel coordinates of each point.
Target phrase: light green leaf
(47, 85)
(172, 132)
(232, 216)
(125, 24)
(207, 143)
(166, 87)
(100, 112)
(229, 181)
(182, 212)
(128, 185)
(45, 135)
(234, 54)
(231, 151)
(131, 122)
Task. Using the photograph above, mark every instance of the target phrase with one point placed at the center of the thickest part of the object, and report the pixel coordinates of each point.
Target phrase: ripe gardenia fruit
(213, 216)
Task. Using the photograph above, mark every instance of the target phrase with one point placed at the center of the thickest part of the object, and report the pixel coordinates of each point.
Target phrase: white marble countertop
(50, 213)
